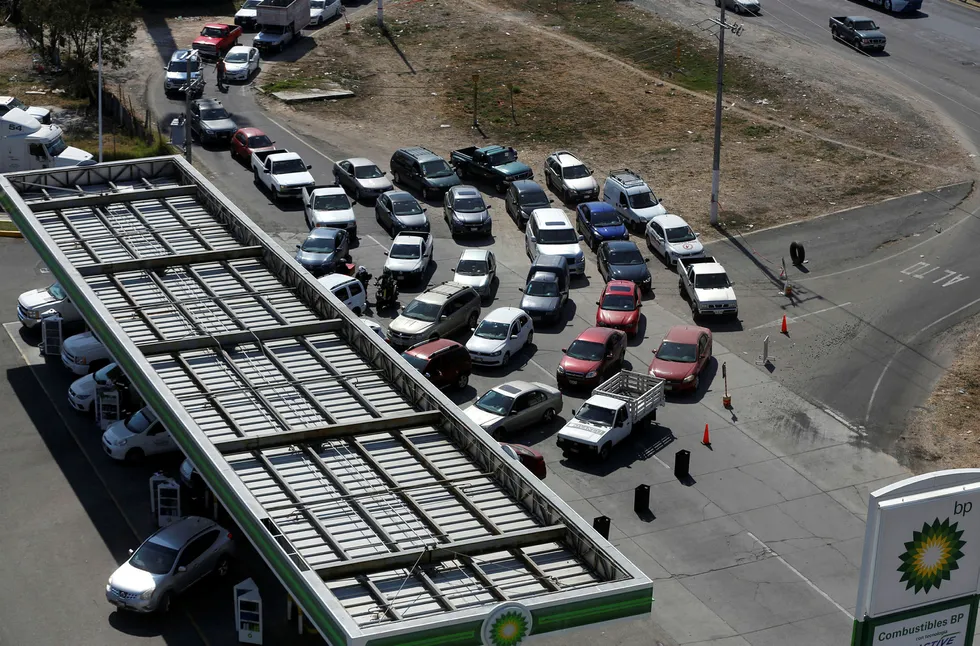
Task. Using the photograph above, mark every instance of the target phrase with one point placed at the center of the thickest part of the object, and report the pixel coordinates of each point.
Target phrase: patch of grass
(757, 130)
(292, 83)
(663, 151)
(116, 147)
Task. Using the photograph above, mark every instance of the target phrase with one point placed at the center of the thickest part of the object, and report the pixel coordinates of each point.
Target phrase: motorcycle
(363, 276)
(386, 291)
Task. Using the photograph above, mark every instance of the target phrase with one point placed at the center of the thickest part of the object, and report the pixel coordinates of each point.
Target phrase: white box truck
(280, 24)
(26, 144)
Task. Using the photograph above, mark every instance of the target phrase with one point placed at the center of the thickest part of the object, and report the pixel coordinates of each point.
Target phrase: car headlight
(108, 587)
(561, 370)
(123, 442)
(148, 594)
(495, 354)
(688, 379)
(591, 374)
(84, 397)
(81, 360)
(206, 127)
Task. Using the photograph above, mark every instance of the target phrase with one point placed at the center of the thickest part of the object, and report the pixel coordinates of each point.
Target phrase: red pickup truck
(216, 39)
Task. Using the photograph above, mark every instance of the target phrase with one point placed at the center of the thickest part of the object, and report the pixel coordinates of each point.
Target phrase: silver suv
(569, 178)
(436, 313)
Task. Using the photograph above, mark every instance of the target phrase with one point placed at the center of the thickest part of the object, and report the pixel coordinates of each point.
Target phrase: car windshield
(596, 415)
(405, 251)
(181, 66)
(469, 205)
(236, 57)
(103, 375)
(680, 234)
(557, 236)
(212, 32)
(319, 245)
(643, 200)
(416, 362)
(711, 281)
(865, 25)
(496, 403)
(153, 558)
(679, 352)
(492, 330)
(213, 114)
(318, 4)
(539, 288)
(472, 267)
(259, 141)
(56, 147)
(57, 292)
(575, 172)
(436, 168)
(586, 350)
(502, 157)
(17, 103)
(336, 202)
(605, 219)
(250, 4)
(533, 199)
(619, 303)
(421, 311)
(138, 422)
(625, 257)
(406, 207)
(368, 172)
(288, 166)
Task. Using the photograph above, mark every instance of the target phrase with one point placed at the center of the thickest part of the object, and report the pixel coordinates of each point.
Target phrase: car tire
(501, 187)
(680, 288)
(395, 177)
(549, 415)
(506, 358)
(255, 175)
(134, 456)
(462, 381)
(357, 194)
(888, 6)
(697, 383)
(530, 338)
(357, 311)
(472, 320)
(164, 606)
(425, 193)
(604, 452)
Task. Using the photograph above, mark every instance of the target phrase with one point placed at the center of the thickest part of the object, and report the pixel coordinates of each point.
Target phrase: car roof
(606, 402)
(443, 292)
(685, 333)
(428, 349)
(596, 334)
(527, 186)
(335, 280)
(400, 196)
(464, 190)
(474, 254)
(670, 221)
(515, 388)
(323, 232)
(329, 190)
(620, 287)
(208, 103)
(597, 206)
(856, 18)
(407, 237)
(360, 161)
(177, 534)
(218, 24)
(551, 218)
(620, 245)
(544, 277)
(566, 159)
(420, 153)
(184, 54)
(251, 132)
(240, 48)
(504, 315)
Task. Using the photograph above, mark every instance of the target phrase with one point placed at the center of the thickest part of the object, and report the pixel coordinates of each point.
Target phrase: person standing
(220, 68)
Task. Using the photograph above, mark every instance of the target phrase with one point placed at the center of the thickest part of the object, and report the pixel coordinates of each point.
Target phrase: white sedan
(323, 10)
(241, 62)
(502, 334)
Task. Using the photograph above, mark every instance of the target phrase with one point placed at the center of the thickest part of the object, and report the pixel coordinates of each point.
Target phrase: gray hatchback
(168, 562)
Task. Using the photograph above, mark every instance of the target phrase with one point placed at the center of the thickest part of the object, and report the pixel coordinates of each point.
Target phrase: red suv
(445, 363)
(619, 306)
(592, 358)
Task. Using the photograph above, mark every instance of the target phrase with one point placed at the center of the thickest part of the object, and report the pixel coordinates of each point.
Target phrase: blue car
(599, 222)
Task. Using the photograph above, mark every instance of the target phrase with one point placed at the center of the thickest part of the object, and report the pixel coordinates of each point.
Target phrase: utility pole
(100, 98)
(381, 14)
(716, 160)
(192, 86)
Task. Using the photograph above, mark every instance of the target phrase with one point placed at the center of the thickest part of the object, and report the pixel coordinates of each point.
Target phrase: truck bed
(704, 260)
(262, 155)
(464, 154)
(642, 393)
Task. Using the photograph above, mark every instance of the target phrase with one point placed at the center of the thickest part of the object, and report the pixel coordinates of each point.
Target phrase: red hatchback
(527, 456)
(619, 306)
(592, 358)
(682, 356)
(247, 140)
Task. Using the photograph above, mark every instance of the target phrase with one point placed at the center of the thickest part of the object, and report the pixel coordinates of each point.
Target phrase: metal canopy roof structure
(386, 514)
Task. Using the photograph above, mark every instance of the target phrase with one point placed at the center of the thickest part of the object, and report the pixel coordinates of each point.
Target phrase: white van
(549, 232)
(139, 435)
(632, 198)
(348, 289)
(84, 353)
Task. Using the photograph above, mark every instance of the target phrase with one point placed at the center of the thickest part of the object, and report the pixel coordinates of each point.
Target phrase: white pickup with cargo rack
(617, 407)
(382, 510)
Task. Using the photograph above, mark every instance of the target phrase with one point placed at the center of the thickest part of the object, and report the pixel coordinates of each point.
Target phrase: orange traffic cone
(706, 440)
(784, 329)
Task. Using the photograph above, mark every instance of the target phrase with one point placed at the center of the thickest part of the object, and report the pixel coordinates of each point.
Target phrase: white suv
(549, 232)
(569, 178)
(671, 237)
(84, 353)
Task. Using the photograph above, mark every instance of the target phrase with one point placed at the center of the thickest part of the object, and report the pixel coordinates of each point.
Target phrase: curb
(969, 3)
(11, 234)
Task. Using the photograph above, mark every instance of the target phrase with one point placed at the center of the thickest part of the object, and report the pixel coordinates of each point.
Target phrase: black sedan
(622, 260)
(523, 196)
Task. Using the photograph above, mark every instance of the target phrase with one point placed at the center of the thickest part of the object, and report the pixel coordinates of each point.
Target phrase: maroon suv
(445, 363)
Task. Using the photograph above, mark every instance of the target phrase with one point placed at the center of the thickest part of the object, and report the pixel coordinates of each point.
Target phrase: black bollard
(682, 464)
(601, 525)
(641, 499)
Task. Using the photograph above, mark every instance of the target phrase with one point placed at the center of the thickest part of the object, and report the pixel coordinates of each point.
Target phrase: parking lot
(762, 545)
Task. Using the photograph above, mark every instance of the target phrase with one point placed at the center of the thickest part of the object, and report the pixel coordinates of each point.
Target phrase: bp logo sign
(507, 625)
(931, 556)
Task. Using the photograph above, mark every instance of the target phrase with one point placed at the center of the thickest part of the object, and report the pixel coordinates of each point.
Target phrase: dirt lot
(782, 157)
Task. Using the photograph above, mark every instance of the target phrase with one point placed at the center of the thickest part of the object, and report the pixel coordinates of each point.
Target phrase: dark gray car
(622, 260)
(523, 196)
(465, 211)
(323, 250)
(210, 122)
(398, 211)
(543, 297)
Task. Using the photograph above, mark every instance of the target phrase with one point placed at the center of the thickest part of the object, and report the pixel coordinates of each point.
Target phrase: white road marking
(657, 458)
(800, 574)
(801, 316)
(881, 377)
(372, 239)
(301, 140)
(540, 367)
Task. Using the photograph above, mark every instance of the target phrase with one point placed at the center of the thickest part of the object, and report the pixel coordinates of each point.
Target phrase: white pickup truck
(616, 408)
(282, 173)
(705, 285)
